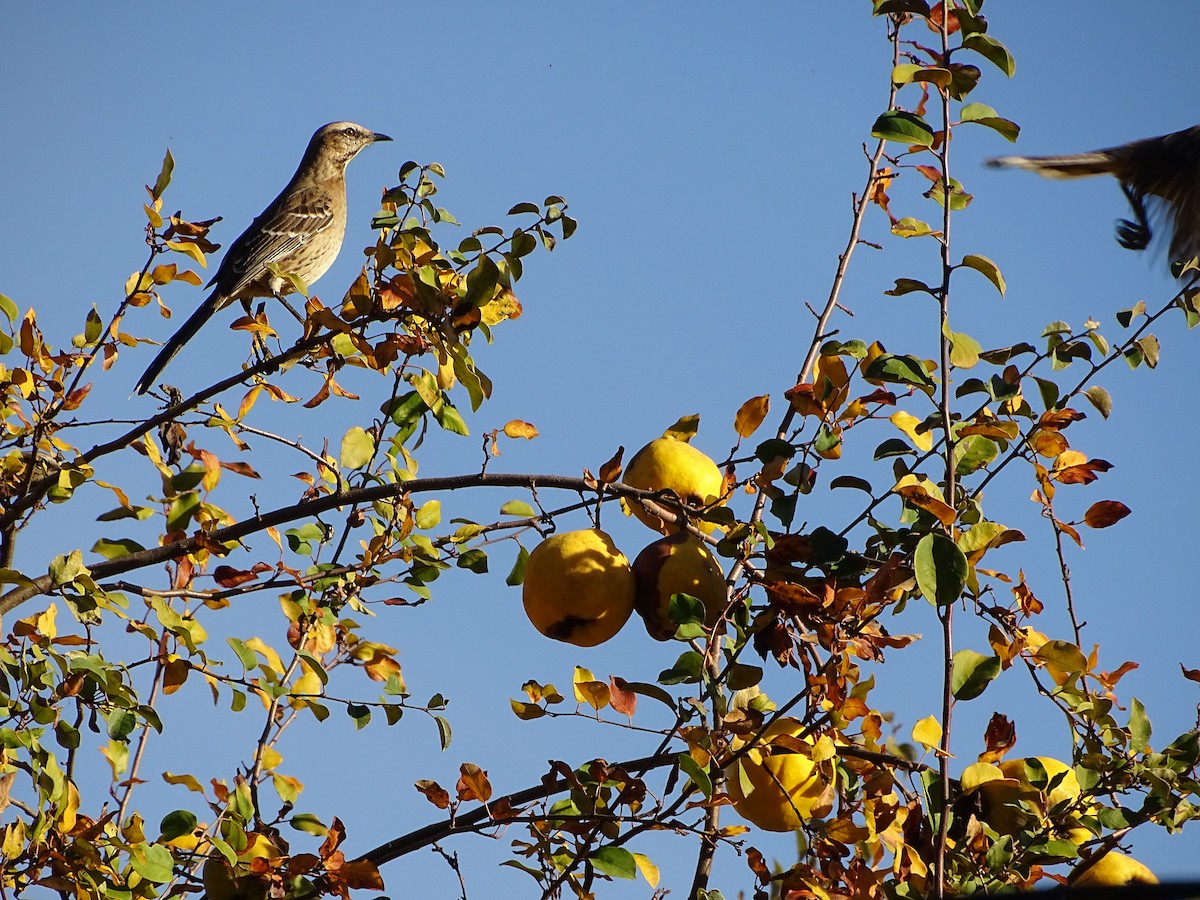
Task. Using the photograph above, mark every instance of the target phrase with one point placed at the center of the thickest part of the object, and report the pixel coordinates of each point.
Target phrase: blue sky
(709, 155)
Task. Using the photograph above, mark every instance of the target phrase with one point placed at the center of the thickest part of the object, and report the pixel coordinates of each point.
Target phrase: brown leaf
(473, 783)
(999, 737)
(1030, 605)
(1105, 513)
(1070, 532)
(229, 577)
(361, 873)
(1085, 473)
(1110, 679)
(803, 402)
(240, 468)
(1059, 419)
(622, 700)
(434, 793)
(333, 838)
(610, 472)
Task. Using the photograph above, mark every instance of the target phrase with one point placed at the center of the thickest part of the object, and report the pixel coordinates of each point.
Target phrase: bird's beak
(376, 136)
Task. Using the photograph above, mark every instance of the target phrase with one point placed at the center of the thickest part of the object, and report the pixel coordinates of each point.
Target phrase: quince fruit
(679, 563)
(776, 792)
(579, 587)
(669, 464)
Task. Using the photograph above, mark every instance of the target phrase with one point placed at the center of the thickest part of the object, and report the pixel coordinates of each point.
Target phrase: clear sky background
(709, 152)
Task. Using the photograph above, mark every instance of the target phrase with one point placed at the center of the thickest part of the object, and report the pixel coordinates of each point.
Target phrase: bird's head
(339, 142)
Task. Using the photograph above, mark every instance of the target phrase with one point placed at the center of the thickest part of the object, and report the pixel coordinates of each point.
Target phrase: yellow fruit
(578, 587)
(1116, 868)
(1001, 798)
(675, 465)
(677, 564)
(775, 792)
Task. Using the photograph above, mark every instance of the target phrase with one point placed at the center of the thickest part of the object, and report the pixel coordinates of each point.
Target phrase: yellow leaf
(520, 429)
(908, 424)
(304, 688)
(274, 663)
(980, 773)
(648, 869)
(271, 758)
(192, 250)
(927, 732)
(751, 414)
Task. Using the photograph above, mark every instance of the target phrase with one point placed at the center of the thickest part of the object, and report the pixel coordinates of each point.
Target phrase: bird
(1164, 170)
(300, 232)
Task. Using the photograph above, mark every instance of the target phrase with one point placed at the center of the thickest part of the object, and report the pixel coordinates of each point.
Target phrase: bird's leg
(290, 308)
(1135, 234)
(259, 343)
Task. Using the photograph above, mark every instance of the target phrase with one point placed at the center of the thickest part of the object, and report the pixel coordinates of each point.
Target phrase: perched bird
(1165, 170)
(300, 232)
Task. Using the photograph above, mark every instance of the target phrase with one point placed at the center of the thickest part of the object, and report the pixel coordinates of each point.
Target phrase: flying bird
(1162, 170)
(300, 232)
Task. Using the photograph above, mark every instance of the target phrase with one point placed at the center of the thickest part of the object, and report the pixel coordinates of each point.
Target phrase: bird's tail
(176, 341)
(1077, 165)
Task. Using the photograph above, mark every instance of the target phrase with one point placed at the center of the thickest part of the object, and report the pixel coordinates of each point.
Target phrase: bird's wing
(278, 232)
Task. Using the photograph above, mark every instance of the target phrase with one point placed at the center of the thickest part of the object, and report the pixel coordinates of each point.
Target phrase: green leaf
(450, 419)
(1139, 727)
(66, 568)
(696, 773)
(964, 350)
(899, 370)
(985, 267)
(908, 286)
(972, 672)
(444, 731)
(941, 569)
(653, 691)
(1100, 399)
(245, 655)
(616, 862)
(309, 824)
(153, 862)
(852, 481)
(516, 575)
(518, 508)
(981, 114)
(991, 50)
(358, 448)
(116, 549)
(164, 175)
(973, 453)
(908, 227)
(903, 128)
(474, 560)
(121, 723)
(687, 669)
(176, 824)
(360, 714)
(8, 308)
(428, 515)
